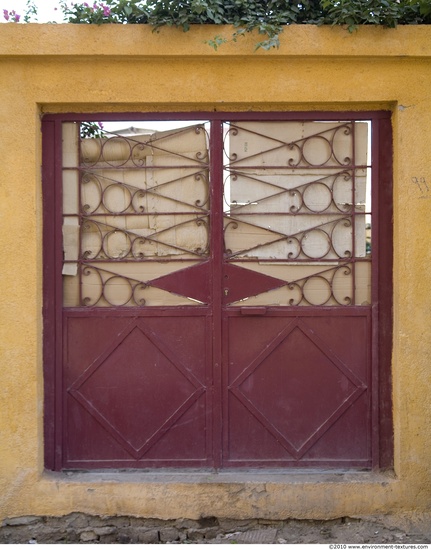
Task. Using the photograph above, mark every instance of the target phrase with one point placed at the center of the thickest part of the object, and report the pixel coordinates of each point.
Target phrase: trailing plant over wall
(268, 17)
(388, 13)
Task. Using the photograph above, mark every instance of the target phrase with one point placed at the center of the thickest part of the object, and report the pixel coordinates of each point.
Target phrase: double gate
(217, 292)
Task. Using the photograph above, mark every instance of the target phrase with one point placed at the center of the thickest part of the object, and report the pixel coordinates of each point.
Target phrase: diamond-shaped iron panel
(136, 390)
(297, 388)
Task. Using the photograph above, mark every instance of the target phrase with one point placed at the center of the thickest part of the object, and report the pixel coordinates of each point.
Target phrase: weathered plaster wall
(52, 68)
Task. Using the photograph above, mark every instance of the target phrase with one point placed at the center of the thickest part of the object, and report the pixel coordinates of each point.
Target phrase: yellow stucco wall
(68, 68)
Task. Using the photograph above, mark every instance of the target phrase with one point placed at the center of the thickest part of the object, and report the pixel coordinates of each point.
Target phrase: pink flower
(11, 16)
(106, 10)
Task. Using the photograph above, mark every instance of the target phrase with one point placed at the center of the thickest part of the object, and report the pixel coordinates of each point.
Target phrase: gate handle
(253, 310)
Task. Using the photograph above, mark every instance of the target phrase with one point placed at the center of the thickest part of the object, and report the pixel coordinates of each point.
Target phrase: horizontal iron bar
(346, 214)
(205, 116)
(235, 165)
(340, 263)
(146, 259)
(131, 214)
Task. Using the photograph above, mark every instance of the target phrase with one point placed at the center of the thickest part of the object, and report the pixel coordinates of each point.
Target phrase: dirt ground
(412, 530)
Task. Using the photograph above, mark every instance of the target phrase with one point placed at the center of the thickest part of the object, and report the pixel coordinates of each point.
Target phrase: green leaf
(267, 17)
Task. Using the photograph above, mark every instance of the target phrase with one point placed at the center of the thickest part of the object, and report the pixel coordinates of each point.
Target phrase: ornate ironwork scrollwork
(318, 242)
(292, 193)
(319, 289)
(112, 289)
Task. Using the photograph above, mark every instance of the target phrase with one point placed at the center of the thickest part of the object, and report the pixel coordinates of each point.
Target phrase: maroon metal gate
(213, 292)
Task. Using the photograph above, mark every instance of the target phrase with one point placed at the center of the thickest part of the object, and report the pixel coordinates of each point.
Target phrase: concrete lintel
(140, 41)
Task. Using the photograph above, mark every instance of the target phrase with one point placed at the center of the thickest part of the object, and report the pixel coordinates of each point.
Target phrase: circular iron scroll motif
(117, 291)
(317, 197)
(341, 238)
(117, 198)
(315, 244)
(342, 190)
(340, 158)
(113, 152)
(91, 240)
(332, 287)
(342, 285)
(316, 151)
(92, 281)
(100, 194)
(317, 290)
(117, 244)
(91, 193)
(112, 290)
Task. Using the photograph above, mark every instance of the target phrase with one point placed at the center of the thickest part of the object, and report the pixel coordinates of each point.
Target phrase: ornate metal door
(218, 305)
(297, 294)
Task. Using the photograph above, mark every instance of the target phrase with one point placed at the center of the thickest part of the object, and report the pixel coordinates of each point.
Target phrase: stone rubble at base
(85, 529)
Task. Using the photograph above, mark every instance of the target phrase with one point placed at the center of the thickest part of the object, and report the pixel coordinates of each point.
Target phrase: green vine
(267, 17)
(91, 130)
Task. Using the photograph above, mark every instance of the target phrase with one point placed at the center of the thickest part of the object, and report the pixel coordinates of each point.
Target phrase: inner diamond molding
(314, 390)
(115, 391)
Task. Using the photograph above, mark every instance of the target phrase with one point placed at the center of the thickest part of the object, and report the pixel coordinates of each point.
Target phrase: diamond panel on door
(141, 397)
(297, 391)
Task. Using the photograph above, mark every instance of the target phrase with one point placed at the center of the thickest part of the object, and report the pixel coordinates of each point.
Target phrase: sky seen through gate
(46, 10)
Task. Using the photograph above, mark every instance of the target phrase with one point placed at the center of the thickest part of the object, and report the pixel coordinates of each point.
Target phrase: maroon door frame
(381, 311)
